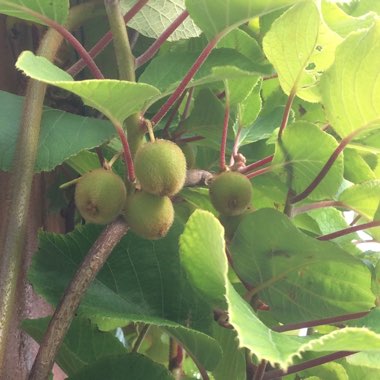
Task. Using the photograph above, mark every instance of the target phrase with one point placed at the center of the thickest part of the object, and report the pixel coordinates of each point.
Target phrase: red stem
(257, 164)
(189, 139)
(258, 172)
(186, 109)
(222, 158)
(317, 205)
(260, 370)
(308, 364)
(185, 81)
(71, 40)
(235, 148)
(349, 230)
(319, 322)
(317, 180)
(127, 152)
(152, 50)
(287, 109)
(174, 110)
(78, 66)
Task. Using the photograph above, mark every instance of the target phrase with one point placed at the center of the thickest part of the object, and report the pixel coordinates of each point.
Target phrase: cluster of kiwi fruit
(160, 167)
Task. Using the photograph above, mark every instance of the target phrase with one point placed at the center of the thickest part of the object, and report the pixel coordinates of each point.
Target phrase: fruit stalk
(65, 311)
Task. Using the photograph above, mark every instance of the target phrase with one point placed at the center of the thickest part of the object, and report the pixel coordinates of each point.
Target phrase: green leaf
(356, 169)
(350, 89)
(204, 235)
(157, 15)
(331, 371)
(363, 198)
(167, 70)
(299, 163)
(199, 198)
(115, 99)
(232, 365)
(342, 23)
(299, 277)
(204, 259)
(83, 345)
(216, 16)
(59, 135)
(124, 367)
(282, 349)
(300, 46)
(142, 281)
(56, 10)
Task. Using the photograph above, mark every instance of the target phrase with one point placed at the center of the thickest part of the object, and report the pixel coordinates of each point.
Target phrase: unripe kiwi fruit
(160, 167)
(231, 193)
(99, 196)
(149, 216)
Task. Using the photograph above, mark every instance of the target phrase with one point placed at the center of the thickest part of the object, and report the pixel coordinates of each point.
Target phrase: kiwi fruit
(231, 193)
(99, 196)
(148, 215)
(160, 167)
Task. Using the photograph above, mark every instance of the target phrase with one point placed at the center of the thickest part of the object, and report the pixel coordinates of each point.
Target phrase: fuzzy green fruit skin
(149, 216)
(99, 196)
(160, 167)
(231, 193)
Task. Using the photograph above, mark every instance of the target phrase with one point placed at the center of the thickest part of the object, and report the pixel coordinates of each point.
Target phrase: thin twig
(186, 79)
(65, 311)
(152, 50)
(165, 131)
(350, 230)
(259, 172)
(286, 114)
(317, 180)
(222, 157)
(320, 322)
(257, 164)
(317, 205)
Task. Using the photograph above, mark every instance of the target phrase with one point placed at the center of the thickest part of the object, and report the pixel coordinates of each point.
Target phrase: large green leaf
(299, 277)
(363, 198)
(157, 15)
(142, 281)
(123, 367)
(300, 46)
(216, 16)
(300, 156)
(56, 10)
(206, 263)
(350, 89)
(204, 235)
(62, 134)
(84, 344)
(114, 98)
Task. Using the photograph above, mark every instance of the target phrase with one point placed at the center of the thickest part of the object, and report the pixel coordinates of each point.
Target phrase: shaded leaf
(84, 344)
(62, 134)
(124, 367)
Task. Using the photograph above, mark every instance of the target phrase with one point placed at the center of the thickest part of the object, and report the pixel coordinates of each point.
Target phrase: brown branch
(65, 311)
